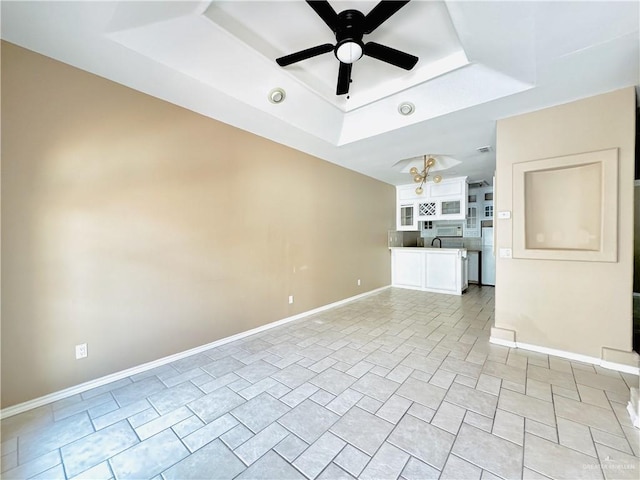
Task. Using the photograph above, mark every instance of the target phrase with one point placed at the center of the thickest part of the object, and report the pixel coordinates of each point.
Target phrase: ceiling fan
(349, 27)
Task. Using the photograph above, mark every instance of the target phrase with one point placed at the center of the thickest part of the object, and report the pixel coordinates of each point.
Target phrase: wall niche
(566, 208)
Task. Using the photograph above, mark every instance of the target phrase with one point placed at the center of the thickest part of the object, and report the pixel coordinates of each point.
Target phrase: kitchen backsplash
(413, 239)
(405, 239)
(472, 243)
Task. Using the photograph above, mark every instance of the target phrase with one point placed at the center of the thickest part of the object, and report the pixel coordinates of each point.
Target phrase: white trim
(98, 382)
(578, 357)
(635, 418)
(504, 343)
(620, 367)
(568, 355)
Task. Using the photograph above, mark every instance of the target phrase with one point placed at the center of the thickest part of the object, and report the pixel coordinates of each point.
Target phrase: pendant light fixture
(421, 176)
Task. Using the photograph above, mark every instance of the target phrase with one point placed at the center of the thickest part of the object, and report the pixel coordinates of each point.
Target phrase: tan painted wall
(575, 306)
(144, 229)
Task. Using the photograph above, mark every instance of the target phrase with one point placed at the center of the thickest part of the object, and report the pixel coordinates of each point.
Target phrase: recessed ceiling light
(485, 149)
(406, 108)
(277, 95)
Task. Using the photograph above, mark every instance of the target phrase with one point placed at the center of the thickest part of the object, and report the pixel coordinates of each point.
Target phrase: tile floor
(400, 384)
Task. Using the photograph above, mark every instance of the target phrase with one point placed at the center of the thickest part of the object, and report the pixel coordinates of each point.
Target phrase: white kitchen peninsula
(439, 270)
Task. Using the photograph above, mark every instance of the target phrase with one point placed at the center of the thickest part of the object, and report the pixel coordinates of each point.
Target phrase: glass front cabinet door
(451, 207)
(407, 218)
(472, 226)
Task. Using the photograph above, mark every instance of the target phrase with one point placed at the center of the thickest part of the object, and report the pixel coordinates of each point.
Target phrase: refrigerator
(488, 257)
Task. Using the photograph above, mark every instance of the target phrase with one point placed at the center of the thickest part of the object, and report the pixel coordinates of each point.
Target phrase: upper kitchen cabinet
(427, 210)
(406, 207)
(406, 216)
(472, 225)
(446, 200)
(487, 205)
(450, 196)
(479, 208)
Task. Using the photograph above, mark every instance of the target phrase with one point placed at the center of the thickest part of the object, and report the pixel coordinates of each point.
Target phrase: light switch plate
(505, 253)
(81, 351)
(504, 214)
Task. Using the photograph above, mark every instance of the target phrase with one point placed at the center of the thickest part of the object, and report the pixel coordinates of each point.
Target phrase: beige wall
(144, 229)
(575, 306)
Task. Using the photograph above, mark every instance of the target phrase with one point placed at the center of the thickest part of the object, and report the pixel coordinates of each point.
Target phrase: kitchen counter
(430, 269)
(431, 249)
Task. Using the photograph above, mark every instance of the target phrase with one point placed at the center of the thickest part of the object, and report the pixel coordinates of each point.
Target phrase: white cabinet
(450, 195)
(407, 218)
(440, 270)
(479, 208)
(408, 269)
(487, 204)
(472, 225)
(451, 209)
(406, 208)
(427, 210)
(452, 187)
(446, 200)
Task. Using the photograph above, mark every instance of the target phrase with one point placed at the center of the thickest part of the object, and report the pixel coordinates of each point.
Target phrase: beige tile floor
(400, 384)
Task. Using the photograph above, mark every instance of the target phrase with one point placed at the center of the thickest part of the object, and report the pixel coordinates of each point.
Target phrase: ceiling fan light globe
(413, 171)
(431, 162)
(349, 51)
(419, 190)
(417, 178)
(437, 179)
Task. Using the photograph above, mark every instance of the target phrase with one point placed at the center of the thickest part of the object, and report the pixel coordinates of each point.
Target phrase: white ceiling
(479, 62)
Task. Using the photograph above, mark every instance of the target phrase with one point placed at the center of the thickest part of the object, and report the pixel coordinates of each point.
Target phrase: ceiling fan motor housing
(349, 32)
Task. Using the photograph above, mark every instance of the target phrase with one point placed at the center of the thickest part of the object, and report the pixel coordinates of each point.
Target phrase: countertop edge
(429, 249)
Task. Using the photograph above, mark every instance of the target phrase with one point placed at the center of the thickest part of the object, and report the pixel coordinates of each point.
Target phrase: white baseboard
(568, 355)
(98, 382)
(504, 343)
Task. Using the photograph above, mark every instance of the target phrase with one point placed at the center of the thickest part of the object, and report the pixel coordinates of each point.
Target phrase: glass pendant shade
(421, 176)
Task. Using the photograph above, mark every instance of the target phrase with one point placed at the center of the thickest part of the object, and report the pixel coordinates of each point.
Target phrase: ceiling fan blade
(344, 78)
(380, 13)
(390, 55)
(304, 54)
(326, 12)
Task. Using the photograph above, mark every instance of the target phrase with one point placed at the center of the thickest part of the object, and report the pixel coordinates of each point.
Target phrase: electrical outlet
(358, 282)
(290, 299)
(81, 351)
